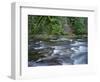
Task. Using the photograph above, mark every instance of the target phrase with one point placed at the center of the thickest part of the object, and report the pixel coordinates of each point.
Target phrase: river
(61, 51)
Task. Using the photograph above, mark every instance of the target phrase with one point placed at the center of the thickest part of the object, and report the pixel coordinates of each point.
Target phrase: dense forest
(57, 25)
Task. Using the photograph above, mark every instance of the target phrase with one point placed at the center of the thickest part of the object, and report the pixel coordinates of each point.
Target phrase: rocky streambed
(59, 51)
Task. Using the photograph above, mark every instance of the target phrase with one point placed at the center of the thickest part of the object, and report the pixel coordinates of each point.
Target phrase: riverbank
(55, 37)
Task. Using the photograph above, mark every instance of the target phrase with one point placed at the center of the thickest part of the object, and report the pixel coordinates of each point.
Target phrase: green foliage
(44, 25)
(53, 25)
(78, 24)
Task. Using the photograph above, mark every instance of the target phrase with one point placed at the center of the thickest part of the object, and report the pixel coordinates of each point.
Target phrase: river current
(60, 51)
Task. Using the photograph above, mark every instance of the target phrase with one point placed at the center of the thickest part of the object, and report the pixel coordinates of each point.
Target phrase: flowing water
(60, 51)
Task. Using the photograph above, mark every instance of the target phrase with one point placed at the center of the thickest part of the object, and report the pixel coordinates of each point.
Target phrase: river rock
(50, 60)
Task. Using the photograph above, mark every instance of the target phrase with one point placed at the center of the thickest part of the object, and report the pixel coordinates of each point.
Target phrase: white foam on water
(80, 60)
(39, 47)
(79, 49)
(82, 48)
(55, 51)
(77, 43)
